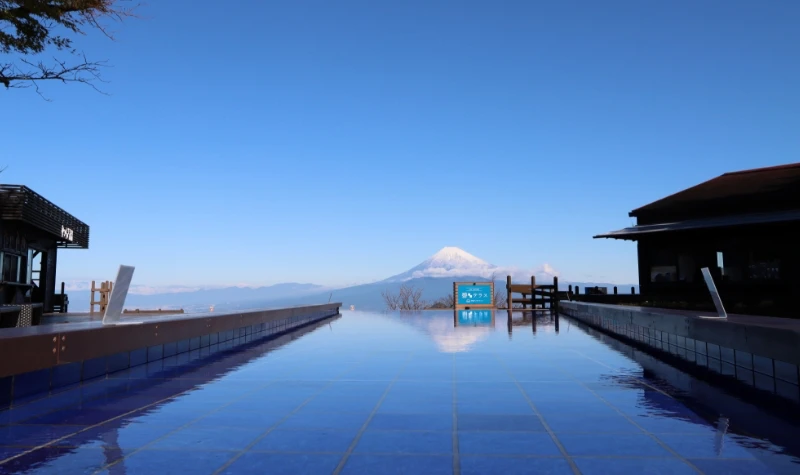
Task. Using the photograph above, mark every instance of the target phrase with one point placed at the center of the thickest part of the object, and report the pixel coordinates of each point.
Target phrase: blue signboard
(474, 294)
(474, 317)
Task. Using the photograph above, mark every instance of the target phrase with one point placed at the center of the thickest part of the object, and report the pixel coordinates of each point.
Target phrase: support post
(615, 290)
(104, 290)
(533, 292)
(554, 300)
(91, 299)
(508, 288)
(48, 280)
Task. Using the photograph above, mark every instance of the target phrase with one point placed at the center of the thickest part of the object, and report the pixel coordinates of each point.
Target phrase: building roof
(634, 232)
(748, 191)
(18, 202)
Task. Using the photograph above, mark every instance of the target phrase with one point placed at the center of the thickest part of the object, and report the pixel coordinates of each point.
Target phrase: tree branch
(84, 72)
(30, 27)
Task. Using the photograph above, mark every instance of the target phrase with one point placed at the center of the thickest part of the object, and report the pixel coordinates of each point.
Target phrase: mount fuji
(451, 262)
(435, 276)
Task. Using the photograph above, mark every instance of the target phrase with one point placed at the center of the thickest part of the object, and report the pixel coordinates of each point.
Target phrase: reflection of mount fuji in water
(449, 338)
(455, 333)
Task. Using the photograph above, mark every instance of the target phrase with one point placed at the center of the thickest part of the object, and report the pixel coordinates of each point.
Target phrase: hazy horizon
(431, 267)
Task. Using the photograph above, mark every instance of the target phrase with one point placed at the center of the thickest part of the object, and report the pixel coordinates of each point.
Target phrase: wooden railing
(535, 296)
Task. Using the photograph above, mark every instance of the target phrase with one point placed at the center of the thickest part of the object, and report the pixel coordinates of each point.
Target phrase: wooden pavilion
(744, 226)
(32, 229)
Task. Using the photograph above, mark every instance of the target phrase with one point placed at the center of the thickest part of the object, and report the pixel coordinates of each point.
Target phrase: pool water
(372, 393)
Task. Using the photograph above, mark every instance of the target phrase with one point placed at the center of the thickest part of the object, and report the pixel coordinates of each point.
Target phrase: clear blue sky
(335, 142)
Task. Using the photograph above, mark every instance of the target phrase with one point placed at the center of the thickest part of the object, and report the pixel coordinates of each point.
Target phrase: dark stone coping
(770, 337)
(17, 308)
(39, 359)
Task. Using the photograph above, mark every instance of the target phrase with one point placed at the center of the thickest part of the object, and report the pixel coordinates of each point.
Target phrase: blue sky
(339, 142)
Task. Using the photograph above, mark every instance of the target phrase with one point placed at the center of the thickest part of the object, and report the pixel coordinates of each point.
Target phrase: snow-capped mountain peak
(452, 262)
(452, 257)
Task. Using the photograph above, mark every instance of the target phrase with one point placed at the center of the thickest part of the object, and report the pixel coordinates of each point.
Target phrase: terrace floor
(750, 320)
(82, 317)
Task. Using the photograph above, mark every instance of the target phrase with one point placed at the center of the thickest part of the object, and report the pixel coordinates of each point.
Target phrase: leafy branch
(29, 28)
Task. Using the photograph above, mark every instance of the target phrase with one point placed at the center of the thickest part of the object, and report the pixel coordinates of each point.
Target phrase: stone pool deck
(37, 360)
(82, 317)
(763, 352)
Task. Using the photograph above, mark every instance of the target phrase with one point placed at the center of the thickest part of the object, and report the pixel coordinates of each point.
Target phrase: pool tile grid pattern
(254, 442)
(774, 376)
(395, 410)
(24, 387)
(507, 438)
(35, 426)
(147, 385)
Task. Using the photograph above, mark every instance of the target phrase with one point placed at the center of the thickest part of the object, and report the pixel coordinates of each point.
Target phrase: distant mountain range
(203, 298)
(435, 276)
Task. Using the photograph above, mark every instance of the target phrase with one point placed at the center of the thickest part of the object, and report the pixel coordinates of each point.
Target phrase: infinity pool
(374, 393)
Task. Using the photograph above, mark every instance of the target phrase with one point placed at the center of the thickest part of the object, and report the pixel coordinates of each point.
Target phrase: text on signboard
(66, 233)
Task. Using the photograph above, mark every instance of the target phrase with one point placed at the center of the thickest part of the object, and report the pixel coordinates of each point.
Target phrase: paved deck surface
(752, 320)
(81, 317)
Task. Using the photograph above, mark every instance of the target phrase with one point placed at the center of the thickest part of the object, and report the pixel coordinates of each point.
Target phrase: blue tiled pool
(376, 393)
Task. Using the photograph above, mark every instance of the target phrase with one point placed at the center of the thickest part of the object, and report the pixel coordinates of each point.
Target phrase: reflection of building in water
(719, 438)
(700, 397)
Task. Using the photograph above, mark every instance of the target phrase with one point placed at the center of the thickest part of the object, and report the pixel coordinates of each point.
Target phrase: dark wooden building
(744, 226)
(32, 230)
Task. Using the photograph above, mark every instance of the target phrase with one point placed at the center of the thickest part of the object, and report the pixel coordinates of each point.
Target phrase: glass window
(29, 267)
(664, 265)
(763, 266)
(730, 264)
(10, 268)
(663, 274)
(687, 268)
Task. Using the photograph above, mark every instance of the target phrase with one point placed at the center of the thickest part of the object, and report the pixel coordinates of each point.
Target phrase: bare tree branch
(390, 300)
(408, 298)
(448, 301)
(85, 72)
